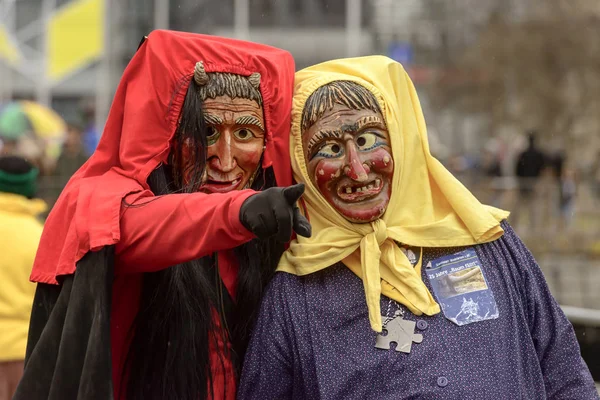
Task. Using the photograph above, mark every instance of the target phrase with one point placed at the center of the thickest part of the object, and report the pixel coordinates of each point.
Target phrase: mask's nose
(222, 155)
(354, 168)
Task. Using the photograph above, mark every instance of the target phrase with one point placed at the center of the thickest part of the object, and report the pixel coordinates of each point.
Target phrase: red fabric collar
(140, 126)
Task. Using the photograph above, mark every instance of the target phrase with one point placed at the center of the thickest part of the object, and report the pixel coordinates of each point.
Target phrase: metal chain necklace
(399, 311)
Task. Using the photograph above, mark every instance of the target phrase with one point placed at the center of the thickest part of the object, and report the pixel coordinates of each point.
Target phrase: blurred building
(313, 30)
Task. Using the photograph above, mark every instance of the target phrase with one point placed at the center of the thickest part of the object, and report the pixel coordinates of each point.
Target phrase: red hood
(140, 126)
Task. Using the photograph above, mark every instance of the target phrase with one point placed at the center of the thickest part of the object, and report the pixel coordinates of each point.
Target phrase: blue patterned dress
(313, 341)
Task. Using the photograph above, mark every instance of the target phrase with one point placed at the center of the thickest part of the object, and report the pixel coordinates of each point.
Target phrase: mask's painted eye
(244, 134)
(212, 135)
(329, 149)
(367, 141)
(211, 131)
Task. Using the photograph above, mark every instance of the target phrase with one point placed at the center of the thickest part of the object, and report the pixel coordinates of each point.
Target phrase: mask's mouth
(220, 186)
(358, 191)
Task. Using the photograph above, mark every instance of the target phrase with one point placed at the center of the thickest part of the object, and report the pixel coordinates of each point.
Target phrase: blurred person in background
(528, 169)
(490, 164)
(23, 143)
(595, 177)
(568, 195)
(72, 157)
(153, 261)
(20, 232)
(73, 154)
(409, 287)
(90, 133)
(563, 190)
(26, 146)
(6, 146)
(491, 169)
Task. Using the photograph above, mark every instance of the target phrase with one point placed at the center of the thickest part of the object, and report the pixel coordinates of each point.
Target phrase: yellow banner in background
(8, 50)
(75, 37)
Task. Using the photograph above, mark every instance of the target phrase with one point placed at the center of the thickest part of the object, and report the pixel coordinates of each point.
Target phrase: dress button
(422, 324)
(442, 381)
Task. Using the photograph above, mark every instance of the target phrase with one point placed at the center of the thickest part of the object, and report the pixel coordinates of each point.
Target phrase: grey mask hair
(201, 76)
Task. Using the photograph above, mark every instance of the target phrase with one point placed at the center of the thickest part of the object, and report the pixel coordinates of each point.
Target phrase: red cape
(138, 132)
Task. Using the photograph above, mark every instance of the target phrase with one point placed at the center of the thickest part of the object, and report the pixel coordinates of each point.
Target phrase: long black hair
(175, 328)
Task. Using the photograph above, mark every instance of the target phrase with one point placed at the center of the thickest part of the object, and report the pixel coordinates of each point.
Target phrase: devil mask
(235, 130)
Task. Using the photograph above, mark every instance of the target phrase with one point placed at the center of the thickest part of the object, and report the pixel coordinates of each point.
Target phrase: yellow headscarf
(428, 206)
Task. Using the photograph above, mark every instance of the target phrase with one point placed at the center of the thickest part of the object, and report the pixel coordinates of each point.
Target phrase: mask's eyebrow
(212, 119)
(249, 120)
(322, 135)
(372, 121)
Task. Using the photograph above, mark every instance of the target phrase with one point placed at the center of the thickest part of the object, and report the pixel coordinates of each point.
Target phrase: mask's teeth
(348, 190)
(377, 182)
(370, 187)
(364, 188)
(358, 190)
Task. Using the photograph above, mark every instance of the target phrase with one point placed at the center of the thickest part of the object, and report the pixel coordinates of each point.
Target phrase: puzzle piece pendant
(399, 331)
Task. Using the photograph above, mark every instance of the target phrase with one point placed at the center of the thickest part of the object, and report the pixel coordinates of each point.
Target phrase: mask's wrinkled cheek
(256, 160)
(249, 155)
(326, 172)
(381, 161)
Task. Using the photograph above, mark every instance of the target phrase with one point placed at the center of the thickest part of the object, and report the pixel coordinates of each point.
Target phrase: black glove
(273, 212)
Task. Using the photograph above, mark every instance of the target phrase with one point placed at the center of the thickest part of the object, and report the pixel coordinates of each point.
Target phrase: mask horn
(254, 80)
(200, 75)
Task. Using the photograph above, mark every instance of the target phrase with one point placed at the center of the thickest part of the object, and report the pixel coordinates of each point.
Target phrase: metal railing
(582, 316)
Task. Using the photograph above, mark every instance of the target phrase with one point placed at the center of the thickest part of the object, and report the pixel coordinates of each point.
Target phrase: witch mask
(234, 118)
(347, 150)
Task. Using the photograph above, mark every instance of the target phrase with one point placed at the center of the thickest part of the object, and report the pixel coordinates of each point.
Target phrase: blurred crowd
(544, 189)
(39, 152)
(75, 142)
